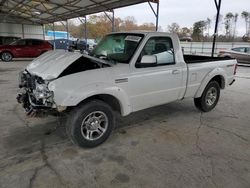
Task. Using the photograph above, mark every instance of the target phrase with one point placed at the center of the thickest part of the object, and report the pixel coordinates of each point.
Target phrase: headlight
(42, 91)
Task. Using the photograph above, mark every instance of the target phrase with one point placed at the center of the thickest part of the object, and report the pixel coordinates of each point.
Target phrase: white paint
(145, 87)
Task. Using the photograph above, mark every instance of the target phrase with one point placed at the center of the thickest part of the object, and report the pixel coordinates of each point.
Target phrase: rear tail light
(235, 68)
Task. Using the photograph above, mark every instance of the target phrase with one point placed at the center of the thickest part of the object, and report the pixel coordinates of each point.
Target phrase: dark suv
(24, 48)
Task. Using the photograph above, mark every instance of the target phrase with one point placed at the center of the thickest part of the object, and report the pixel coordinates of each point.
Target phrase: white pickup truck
(126, 72)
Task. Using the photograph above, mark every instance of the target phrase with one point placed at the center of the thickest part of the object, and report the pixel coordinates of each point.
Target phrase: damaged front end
(34, 94)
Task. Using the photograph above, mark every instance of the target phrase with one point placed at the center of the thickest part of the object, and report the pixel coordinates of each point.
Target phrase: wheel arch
(107, 98)
(220, 79)
(217, 75)
(6, 51)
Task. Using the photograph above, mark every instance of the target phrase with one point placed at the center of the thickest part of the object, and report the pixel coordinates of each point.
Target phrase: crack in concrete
(201, 153)
(230, 132)
(46, 164)
(33, 177)
(209, 157)
(198, 137)
(212, 172)
(19, 117)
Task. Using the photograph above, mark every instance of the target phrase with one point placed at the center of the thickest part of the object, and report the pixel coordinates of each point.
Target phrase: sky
(186, 12)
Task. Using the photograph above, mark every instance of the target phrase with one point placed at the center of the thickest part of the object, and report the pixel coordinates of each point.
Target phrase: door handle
(176, 72)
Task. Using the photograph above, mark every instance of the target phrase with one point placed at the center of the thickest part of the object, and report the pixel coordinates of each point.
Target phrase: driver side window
(21, 42)
(162, 48)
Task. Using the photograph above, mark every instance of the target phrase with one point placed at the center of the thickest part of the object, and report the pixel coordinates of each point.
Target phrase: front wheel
(209, 97)
(90, 124)
(6, 56)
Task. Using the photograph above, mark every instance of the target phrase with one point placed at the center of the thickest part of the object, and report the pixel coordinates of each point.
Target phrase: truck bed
(201, 59)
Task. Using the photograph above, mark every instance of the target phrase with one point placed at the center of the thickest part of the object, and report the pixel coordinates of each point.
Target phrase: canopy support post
(23, 31)
(85, 28)
(67, 29)
(112, 19)
(54, 36)
(43, 31)
(218, 6)
(156, 13)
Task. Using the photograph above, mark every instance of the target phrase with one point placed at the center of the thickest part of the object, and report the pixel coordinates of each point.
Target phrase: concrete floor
(172, 145)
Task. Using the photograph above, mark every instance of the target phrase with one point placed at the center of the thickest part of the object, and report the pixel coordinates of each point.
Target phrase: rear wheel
(90, 124)
(209, 97)
(6, 56)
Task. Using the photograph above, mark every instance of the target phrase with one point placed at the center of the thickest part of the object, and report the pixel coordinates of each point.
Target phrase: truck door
(158, 84)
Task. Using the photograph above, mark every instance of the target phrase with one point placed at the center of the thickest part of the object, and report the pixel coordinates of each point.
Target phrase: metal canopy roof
(48, 11)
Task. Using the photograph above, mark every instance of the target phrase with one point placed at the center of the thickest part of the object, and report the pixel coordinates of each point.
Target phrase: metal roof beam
(27, 9)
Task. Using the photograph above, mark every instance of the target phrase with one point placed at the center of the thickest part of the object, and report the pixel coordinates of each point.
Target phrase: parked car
(81, 45)
(150, 70)
(242, 54)
(61, 43)
(24, 48)
(7, 39)
(91, 44)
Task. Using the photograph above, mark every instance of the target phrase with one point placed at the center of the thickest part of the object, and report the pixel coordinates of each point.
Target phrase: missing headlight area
(34, 93)
(82, 64)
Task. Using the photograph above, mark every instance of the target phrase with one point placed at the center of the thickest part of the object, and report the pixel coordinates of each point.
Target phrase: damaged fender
(84, 86)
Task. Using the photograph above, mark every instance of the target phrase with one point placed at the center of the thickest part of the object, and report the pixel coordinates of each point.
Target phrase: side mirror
(148, 61)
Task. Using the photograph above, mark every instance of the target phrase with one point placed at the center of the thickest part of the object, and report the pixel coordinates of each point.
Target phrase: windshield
(118, 47)
(18, 42)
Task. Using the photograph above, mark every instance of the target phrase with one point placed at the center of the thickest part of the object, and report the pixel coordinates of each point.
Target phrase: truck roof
(145, 32)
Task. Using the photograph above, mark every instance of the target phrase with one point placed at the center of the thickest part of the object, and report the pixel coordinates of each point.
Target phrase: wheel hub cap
(94, 125)
(6, 56)
(211, 96)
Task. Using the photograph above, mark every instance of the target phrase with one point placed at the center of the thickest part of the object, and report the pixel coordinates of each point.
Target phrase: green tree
(185, 32)
(235, 19)
(198, 30)
(228, 23)
(173, 28)
(208, 25)
(246, 16)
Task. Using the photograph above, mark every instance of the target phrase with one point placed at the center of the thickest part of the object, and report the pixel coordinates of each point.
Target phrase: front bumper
(30, 105)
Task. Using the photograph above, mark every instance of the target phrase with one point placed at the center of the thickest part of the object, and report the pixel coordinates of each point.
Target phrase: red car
(24, 48)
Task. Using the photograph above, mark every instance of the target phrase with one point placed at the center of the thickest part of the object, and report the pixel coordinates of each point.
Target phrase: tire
(90, 124)
(209, 97)
(6, 56)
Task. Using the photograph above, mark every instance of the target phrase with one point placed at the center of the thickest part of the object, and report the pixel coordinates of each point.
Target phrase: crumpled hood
(50, 65)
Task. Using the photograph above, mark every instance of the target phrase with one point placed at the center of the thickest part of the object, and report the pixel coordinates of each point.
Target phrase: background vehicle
(61, 43)
(242, 54)
(92, 44)
(7, 40)
(24, 48)
(81, 45)
(126, 72)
